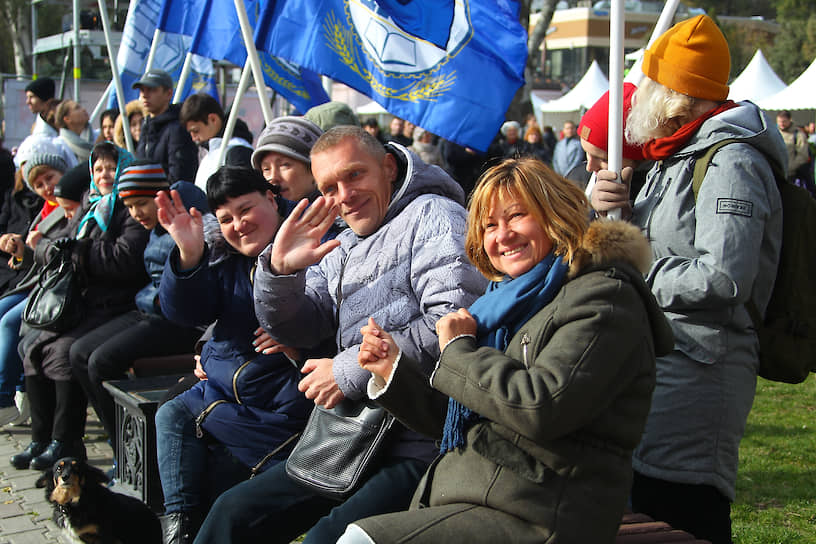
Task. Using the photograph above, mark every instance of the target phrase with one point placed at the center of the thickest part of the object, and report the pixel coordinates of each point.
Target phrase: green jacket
(563, 406)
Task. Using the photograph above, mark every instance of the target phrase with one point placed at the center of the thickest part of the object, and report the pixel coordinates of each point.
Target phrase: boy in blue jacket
(107, 352)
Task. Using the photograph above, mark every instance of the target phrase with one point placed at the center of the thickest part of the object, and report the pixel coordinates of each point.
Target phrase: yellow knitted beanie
(692, 58)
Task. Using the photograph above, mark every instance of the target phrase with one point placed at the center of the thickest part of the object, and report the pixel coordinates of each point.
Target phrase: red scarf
(663, 148)
(47, 208)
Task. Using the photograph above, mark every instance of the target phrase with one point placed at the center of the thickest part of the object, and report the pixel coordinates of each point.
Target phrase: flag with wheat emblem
(460, 91)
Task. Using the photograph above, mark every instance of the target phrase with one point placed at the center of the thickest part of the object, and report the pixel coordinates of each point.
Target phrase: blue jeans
(273, 508)
(11, 367)
(193, 471)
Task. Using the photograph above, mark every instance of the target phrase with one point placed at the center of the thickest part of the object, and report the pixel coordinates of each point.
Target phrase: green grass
(776, 485)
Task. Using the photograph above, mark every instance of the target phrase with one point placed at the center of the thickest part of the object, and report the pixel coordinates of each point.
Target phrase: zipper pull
(525, 341)
(198, 421)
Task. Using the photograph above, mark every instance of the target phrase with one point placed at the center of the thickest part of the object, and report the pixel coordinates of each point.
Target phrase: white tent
(579, 99)
(585, 93)
(799, 95)
(757, 82)
(371, 108)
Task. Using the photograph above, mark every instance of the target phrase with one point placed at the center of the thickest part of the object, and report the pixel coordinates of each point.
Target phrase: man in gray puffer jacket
(401, 261)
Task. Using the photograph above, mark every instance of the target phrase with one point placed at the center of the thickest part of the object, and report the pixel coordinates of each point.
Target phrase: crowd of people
(546, 368)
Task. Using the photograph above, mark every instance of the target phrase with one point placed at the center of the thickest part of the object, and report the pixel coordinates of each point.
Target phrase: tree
(16, 14)
(521, 106)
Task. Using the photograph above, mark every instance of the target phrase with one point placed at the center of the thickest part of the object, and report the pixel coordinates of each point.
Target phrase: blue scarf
(499, 314)
(101, 209)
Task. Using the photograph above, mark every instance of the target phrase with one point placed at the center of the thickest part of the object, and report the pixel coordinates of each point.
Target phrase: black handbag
(55, 303)
(338, 447)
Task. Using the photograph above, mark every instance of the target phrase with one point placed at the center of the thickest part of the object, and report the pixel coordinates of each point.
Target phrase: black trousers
(57, 409)
(699, 509)
(107, 352)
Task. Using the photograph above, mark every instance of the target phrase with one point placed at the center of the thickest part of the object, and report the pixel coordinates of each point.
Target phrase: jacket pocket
(199, 421)
(501, 451)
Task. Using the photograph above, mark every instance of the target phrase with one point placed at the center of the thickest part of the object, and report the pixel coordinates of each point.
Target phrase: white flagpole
(151, 55)
(662, 25)
(615, 148)
(117, 81)
(100, 106)
(186, 68)
(254, 61)
(246, 73)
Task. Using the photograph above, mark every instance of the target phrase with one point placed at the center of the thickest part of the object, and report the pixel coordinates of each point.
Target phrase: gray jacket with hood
(710, 257)
(407, 274)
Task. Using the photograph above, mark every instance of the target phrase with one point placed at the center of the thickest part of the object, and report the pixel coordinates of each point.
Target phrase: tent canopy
(572, 105)
(757, 82)
(798, 95)
(585, 93)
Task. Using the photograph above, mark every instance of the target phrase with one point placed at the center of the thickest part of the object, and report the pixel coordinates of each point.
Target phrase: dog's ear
(94, 475)
(46, 479)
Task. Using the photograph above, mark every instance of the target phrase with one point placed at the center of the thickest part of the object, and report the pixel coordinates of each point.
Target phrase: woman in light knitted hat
(715, 253)
(43, 169)
(282, 156)
(108, 247)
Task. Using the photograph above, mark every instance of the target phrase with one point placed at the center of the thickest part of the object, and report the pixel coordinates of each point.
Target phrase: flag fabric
(180, 16)
(218, 36)
(430, 20)
(142, 19)
(460, 92)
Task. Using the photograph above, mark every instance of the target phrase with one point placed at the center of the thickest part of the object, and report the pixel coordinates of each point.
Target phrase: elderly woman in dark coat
(546, 380)
(108, 248)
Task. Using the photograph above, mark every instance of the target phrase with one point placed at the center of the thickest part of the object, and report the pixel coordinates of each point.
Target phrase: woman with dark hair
(107, 124)
(108, 249)
(242, 418)
(543, 386)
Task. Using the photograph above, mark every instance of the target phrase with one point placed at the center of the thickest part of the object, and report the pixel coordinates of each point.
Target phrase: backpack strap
(701, 164)
(700, 168)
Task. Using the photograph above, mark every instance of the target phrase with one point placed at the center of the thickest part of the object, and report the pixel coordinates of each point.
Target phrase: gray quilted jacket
(407, 275)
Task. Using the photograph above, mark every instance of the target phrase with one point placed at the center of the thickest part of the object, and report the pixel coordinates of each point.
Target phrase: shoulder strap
(702, 163)
(700, 169)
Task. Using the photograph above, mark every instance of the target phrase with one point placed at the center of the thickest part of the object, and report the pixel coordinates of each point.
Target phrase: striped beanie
(290, 136)
(142, 178)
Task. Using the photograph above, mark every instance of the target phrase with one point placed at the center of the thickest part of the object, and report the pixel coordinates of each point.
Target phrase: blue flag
(180, 16)
(218, 36)
(460, 92)
(137, 36)
(430, 20)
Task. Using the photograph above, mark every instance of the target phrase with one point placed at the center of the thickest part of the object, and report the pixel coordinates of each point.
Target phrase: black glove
(64, 244)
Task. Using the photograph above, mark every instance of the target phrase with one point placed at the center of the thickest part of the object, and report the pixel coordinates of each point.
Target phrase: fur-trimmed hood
(134, 106)
(609, 243)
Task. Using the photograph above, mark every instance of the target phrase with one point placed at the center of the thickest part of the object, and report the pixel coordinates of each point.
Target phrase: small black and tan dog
(89, 512)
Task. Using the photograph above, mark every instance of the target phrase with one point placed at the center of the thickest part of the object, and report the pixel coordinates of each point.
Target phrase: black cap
(155, 78)
(74, 183)
(42, 87)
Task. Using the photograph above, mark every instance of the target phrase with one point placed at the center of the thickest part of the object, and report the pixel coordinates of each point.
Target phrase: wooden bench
(641, 529)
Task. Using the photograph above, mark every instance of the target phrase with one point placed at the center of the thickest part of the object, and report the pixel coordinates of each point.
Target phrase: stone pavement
(25, 516)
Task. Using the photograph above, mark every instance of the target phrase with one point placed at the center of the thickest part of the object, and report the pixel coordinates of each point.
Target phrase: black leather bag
(55, 303)
(338, 447)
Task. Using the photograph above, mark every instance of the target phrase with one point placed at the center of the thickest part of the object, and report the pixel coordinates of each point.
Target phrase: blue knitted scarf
(499, 313)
